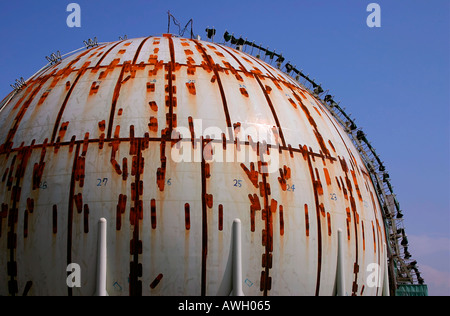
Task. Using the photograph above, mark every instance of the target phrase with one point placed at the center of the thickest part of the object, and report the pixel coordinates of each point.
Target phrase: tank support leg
(386, 275)
(237, 259)
(232, 278)
(101, 259)
(340, 274)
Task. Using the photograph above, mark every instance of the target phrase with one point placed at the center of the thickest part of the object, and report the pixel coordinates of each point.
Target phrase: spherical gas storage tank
(170, 140)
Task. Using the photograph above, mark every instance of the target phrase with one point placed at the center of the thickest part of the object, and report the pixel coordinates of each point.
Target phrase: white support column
(101, 259)
(232, 277)
(237, 259)
(386, 275)
(340, 275)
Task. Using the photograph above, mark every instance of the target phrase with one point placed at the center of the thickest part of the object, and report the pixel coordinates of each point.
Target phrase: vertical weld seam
(105, 54)
(138, 51)
(117, 91)
(81, 71)
(63, 106)
(12, 237)
(353, 206)
(232, 55)
(266, 210)
(114, 102)
(319, 228)
(222, 92)
(21, 112)
(170, 83)
(204, 223)
(272, 109)
(70, 211)
(136, 223)
(332, 120)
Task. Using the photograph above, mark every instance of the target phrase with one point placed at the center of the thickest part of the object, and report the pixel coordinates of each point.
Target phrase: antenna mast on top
(175, 21)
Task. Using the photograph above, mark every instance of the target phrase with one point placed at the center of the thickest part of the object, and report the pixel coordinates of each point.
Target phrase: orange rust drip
(281, 220)
(55, 219)
(156, 281)
(120, 210)
(252, 174)
(153, 106)
(306, 220)
(329, 223)
(187, 216)
(73, 179)
(285, 174)
(86, 219)
(363, 235)
(79, 202)
(255, 206)
(220, 224)
(327, 176)
(153, 213)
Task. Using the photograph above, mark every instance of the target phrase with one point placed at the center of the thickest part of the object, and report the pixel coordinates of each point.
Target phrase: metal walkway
(403, 269)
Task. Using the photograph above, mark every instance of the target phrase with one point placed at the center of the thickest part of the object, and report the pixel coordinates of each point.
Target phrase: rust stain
(156, 281)
(281, 220)
(191, 88)
(252, 173)
(153, 213)
(153, 106)
(102, 126)
(329, 223)
(120, 210)
(187, 216)
(327, 176)
(55, 219)
(220, 224)
(244, 92)
(79, 202)
(255, 206)
(86, 219)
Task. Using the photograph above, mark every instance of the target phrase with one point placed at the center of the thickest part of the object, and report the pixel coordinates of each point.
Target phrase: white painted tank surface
(170, 140)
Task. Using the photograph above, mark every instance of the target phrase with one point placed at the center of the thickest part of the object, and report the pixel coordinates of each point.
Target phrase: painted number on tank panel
(43, 185)
(290, 187)
(237, 183)
(102, 182)
(333, 196)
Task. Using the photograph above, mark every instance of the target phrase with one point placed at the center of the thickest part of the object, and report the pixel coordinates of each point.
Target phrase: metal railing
(402, 268)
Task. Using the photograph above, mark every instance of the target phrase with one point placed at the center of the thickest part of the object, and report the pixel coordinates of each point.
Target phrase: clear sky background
(395, 80)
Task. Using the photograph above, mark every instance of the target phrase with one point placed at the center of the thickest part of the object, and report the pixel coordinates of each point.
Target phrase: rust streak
(70, 210)
(208, 60)
(272, 109)
(204, 222)
(81, 71)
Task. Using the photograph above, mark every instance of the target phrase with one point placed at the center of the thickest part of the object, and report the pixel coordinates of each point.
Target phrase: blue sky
(395, 80)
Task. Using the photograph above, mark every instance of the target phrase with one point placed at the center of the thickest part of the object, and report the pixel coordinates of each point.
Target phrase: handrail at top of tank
(370, 158)
(37, 73)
